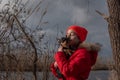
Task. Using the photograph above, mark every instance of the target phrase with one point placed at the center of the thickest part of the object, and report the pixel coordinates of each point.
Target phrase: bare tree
(14, 32)
(114, 31)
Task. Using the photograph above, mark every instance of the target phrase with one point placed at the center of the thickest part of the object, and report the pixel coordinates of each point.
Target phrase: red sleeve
(93, 56)
(54, 71)
(61, 61)
(68, 67)
(52, 68)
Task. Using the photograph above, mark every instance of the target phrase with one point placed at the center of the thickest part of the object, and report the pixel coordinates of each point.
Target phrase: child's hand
(55, 64)
(60, 48)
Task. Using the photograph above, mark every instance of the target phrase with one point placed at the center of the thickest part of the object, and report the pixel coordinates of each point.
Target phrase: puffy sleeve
(93, 56)
(56, 72)
(77, 64)
(52, 68)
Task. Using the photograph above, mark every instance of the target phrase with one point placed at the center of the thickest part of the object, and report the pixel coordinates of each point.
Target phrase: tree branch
(103, 15)
(32, 44)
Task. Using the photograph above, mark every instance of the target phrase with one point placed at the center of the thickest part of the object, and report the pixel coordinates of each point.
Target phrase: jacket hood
(91, 46)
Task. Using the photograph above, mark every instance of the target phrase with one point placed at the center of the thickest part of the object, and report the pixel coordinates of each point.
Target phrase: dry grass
(13, 67)
(19, 64)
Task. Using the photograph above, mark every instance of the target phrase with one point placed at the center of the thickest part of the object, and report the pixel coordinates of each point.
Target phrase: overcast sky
(63, 13)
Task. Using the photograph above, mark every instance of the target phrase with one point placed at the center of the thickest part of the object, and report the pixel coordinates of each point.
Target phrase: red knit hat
(80, 31)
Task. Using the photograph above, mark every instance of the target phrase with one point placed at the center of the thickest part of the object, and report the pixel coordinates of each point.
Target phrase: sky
(63, 13)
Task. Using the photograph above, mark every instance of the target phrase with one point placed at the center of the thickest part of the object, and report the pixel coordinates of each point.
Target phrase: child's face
(73, 37)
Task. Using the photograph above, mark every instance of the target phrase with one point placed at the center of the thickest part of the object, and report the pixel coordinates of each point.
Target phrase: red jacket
(77, 67)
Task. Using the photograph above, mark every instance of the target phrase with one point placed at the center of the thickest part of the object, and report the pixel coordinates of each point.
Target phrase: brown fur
(91, 46)
(88, 46)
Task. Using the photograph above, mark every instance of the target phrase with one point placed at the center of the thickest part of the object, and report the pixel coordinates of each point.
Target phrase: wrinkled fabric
(77, 67)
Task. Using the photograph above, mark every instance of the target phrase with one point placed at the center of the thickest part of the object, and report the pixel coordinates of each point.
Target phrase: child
(78, 65)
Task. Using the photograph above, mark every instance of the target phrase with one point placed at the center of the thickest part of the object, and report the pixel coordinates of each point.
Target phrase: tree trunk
(114, 32)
